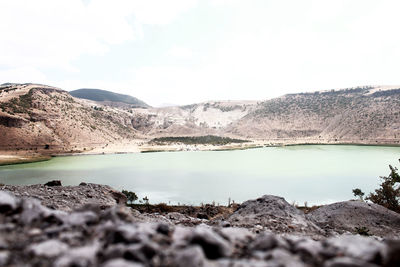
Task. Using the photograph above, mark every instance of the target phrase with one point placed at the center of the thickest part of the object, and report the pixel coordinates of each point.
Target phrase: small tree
(358, 193)
(131, 196)
(388, 194)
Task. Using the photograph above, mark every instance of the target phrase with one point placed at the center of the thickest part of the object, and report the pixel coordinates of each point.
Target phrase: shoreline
(6, 160)
(12, 157)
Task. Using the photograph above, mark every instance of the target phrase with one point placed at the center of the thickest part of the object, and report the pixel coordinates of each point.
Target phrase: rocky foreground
(94, 231)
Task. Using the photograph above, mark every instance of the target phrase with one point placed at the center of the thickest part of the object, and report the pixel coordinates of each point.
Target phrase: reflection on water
(316, 174)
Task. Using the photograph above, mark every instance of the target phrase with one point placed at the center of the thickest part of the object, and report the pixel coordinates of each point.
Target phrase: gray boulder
(272, 213)
(50, 248)
(190, 256)
(213, 245)
(345, 216)
(359, 247)
(121, 263)
(8, 202)
(347, 262)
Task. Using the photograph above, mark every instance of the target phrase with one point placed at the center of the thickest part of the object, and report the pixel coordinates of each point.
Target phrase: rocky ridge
(365, 114)
(68, 198)
(34, 235)
(263, 232)
(344, 217)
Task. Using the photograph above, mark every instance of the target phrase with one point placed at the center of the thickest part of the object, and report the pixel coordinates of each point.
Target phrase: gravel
(34, 235)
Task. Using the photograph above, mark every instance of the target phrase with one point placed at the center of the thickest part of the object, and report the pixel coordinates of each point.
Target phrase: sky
(189, 51)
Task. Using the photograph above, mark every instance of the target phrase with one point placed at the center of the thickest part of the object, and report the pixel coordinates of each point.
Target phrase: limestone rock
(50, 248)
(272, 213)
(8, 202)
(346, 216)
(213, 245)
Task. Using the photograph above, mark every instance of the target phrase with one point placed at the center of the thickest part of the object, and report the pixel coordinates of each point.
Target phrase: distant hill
(40, 117)
(107, 96)
(34, 116)
(362, 114)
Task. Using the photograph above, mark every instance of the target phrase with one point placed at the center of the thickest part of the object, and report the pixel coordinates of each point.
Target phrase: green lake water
(317, 174)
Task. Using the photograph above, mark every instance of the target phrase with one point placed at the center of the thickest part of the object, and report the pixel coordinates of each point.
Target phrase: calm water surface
(314, 173)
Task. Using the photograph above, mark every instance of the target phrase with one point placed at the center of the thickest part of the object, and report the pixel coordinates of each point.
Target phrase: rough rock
(4, 258)
(53, 183)
(190, 256)
(214, 246)
(272, 213)
(356, 246)
(34, 235)
(49, 248)
(120, 263)
(7, 202)
(346, 216)
(68, 198)
(347, 262)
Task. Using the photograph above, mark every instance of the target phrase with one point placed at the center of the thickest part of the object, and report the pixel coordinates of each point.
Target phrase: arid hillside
(37, 117)
(360, 115)
(44, 118)
(198, 119)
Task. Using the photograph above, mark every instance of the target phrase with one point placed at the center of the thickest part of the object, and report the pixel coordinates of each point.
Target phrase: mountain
(41, 117)
(108, 97)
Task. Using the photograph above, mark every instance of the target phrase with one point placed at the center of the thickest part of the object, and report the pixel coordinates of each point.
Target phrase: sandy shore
(143, 146)
(7, 159)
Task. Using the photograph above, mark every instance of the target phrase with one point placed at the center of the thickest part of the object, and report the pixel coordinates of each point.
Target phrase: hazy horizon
(190, 51)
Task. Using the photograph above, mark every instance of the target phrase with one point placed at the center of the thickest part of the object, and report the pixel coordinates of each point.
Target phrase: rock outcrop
(34, 235)
(67, 198)
(12, 121)
(274, 214)
(348, 216)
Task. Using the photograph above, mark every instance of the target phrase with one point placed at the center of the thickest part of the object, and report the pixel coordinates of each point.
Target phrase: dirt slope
(39, 117)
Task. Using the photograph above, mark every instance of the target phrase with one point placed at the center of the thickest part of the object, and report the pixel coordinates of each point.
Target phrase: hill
(39, 117)
(360, 115)
(99, 95)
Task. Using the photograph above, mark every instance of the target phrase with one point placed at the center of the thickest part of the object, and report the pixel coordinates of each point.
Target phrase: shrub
(131, 196)
(362, 231)
(197, 140)
(163, 207)
(388, 194)
(358, 193)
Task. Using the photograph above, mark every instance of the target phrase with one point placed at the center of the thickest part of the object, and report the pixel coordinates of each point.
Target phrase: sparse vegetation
(388, 194)
(362, 231)
(197, 140)
(358, 193)
(131, 196)
(20, 104)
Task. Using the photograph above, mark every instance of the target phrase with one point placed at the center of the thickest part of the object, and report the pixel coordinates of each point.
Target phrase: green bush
(388, 193)
(197, 140)
(131, 196)
(362, 231)
(358, 193)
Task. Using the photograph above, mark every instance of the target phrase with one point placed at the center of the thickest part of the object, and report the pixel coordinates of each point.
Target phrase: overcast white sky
(186, 51)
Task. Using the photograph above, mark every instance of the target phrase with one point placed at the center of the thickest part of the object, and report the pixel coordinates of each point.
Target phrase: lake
(318, 174)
